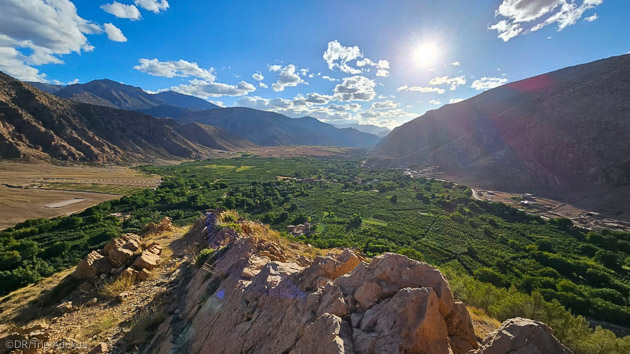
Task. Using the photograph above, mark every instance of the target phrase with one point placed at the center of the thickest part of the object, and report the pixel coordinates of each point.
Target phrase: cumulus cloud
(355, 88)
(122, 11)
(518, 17)
(37, 32)
(453, 82)
(170, 69)
(326, 77)
(435, 102)
(206, 89)
(258, 76)
(350, 60)
(456, 100)
(421, 89)
(153, 5)
(114, 33)
(486, 83)
(203, 85)
(287, 77)
(262, 84)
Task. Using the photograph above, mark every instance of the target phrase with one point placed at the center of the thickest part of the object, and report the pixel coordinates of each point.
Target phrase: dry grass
(482, 323)
(144, 323)
(117, 286)
(104, 324)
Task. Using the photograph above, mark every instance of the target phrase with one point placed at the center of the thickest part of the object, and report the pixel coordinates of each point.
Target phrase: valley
(41, 190)
(375, 211)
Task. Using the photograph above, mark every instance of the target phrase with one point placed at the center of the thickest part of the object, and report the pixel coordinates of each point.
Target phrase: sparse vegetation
(117, 286)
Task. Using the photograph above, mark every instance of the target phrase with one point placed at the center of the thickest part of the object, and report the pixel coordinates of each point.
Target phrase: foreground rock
(520, 335)
(245, 302)
(126, 255)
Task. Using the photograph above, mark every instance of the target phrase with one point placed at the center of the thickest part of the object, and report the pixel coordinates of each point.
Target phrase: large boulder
(147, 260)
(93, 264)
(522, 336)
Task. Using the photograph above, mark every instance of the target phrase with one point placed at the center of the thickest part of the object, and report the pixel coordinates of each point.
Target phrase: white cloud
(205, 89)
(486, 83)
(389, 104)
(326, 77)
(435, 102)
(523, 16)
(122, 11)
(37, 32)
(304, 71)
(258, 76)
(453, 82)
(287, 77)
(456, 100)
(275, 67)
(153, 5)
(421, 89)
(114, 33)
(203, 85)
(180, 68)
(262, 84)
(341, 57)
(591, 18)
(355, 88)
(455, 63)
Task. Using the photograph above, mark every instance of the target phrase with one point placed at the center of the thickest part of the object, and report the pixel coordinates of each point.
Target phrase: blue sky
(376, 62)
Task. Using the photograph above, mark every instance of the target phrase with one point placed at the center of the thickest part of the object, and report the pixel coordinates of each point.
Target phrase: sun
(427, 54)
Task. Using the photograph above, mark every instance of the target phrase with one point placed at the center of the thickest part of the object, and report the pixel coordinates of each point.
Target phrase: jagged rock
(100, 348)
(520, 335)
(119, 256)
(223, 237)
(129, 273)
(154, 248)
(93, 264)
(92, 302)
(144, 274)
(337, 304)
(85, 287)
(147, 260)
(152, 228)
(66, 307)
(127, 241)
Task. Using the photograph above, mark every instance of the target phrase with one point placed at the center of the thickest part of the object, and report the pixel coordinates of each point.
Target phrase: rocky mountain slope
(252, 291)
(567, 130)
(113, 94)
(269, 128)
(34, 124)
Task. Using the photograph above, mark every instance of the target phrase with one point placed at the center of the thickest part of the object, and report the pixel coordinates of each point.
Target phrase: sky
(381, 62)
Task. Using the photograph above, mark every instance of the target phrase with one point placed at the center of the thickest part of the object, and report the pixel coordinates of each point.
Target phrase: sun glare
(427, 54)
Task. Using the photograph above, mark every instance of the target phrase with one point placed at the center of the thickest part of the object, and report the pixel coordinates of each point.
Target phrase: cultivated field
(29, 190)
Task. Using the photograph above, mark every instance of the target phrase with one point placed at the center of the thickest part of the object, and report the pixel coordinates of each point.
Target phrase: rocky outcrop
(245, 302)
(125, 256)
(259, 294)
(520, 335)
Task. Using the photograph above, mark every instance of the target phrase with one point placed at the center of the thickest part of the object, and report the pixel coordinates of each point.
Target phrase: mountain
(34, 124)
(213, 137)
(113, 94)
(269, 128)
(366, 128)
(185, 101)
(566, 133)
(48, 88)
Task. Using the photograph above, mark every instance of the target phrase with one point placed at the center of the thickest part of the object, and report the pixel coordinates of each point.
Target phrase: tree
(394, 199)
(608, 259)
(356, 221)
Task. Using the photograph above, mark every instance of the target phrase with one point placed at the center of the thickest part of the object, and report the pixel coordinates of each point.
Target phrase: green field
(374, 210)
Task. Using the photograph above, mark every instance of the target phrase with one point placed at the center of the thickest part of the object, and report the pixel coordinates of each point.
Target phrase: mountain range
(272, 129)
(564, 132)
(38, 125)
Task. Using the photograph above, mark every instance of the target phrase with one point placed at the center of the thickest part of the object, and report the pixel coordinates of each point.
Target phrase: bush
(203, 256)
